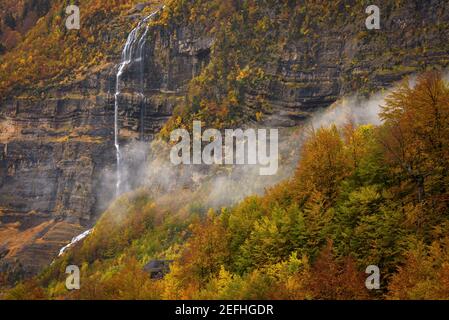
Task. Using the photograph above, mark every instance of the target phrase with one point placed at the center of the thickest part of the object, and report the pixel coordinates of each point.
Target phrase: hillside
(229, 64)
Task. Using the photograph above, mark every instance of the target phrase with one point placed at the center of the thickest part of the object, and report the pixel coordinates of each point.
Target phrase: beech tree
(416, 132)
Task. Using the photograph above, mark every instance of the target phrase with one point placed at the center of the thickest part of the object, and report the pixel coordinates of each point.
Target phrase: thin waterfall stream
(133, 52)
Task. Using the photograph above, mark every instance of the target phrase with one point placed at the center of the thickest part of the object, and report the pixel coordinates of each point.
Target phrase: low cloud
(149, 165)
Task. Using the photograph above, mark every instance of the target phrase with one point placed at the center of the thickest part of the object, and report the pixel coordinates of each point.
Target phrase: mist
(147, 165)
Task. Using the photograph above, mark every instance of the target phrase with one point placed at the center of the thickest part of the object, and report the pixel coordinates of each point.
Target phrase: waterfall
(141, 47)
(133, 51)
(75, 240)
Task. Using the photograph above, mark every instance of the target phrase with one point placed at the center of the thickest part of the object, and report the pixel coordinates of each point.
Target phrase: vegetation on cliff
(367, 195)
(256, 41)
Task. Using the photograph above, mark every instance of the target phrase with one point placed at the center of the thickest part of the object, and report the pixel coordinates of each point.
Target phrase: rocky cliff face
(17, 18)
(57, 150)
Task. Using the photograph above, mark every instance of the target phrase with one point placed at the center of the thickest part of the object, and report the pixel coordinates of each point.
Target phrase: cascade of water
(140, 53)
(133, 51)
